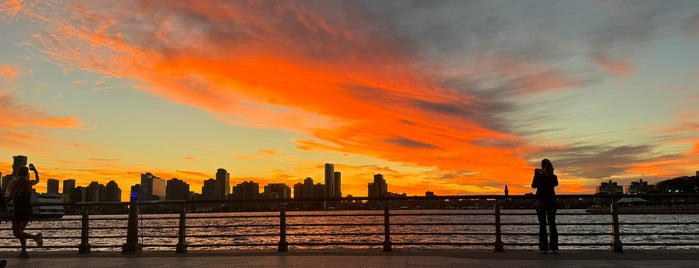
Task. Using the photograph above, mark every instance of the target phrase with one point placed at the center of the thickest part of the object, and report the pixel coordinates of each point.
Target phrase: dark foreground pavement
(359, 258)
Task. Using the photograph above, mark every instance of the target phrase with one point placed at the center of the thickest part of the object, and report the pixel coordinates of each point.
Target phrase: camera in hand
(538, 170)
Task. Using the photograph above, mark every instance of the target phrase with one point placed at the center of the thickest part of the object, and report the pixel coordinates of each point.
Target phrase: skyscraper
(223, 181)
(337, 184)
(52, 186)
(329, 180)
(152, 187)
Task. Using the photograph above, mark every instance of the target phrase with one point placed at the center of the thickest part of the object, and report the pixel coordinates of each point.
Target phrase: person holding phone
(20, 191)
(544, 181)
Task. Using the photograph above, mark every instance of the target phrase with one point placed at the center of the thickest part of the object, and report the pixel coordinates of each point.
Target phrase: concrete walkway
(359, 258)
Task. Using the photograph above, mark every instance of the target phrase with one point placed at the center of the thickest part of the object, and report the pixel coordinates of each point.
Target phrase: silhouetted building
(52, 186)
(609, 188)
(277, 190)
(210, 191)
(246, 190)
(152, 187)
(329, 180)
(337, 184)
(298, 191)
(177, 189)
(79, 194)
(637, 187)
(223, 183)
(378, 188)
(94, 192)
(135, 191)
(112, 192)
(68, 186)
(6, 181)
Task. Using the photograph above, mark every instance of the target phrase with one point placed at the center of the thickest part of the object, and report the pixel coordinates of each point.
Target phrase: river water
(221, 231)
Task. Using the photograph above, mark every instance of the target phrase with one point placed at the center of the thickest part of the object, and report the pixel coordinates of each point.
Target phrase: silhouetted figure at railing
(20, 192)
(544, 181)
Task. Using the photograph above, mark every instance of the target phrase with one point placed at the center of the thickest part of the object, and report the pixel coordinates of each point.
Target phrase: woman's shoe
(23, 255)
(39, 239)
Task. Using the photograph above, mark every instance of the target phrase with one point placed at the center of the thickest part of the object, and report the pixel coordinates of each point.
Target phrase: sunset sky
(454, 97)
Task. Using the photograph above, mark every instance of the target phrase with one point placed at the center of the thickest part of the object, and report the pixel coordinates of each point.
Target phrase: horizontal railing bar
(658, 223)
(443, 243)
(444, 223)
(335, 244)
(332, 224)
(237, 235)
(334, 234)
(289, 215)
(224, 245)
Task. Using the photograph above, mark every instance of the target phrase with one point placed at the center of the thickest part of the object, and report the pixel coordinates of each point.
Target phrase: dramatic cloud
(449, 86)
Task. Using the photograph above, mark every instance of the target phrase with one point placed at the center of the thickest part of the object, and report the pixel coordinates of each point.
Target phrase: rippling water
(260, 230)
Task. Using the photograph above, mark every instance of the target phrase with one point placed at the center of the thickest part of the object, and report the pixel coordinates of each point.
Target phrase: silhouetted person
(544, 181)
(20, 191)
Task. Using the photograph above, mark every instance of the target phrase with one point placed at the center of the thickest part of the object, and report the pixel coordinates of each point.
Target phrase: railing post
(283, 245)
(498, 232)
(132, 245)
(616, 236)
(181, 241)
(387, 228)
(85, 234)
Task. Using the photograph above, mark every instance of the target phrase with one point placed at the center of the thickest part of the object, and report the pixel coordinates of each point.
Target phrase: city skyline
(457, 97)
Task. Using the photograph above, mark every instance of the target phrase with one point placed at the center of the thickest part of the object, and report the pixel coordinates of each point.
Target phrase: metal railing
(457, 223)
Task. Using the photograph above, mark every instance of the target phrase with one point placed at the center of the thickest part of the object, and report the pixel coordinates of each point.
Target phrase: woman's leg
(18, 231)
(543, 240)
(551, 214)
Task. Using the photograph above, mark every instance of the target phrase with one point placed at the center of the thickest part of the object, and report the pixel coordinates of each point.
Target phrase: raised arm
(36, 174)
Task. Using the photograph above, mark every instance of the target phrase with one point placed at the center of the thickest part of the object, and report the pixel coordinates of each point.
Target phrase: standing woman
(544, 181)
(20, 191)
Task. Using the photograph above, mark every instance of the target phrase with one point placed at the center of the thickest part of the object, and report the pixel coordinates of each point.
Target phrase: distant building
(176, 189)
(135, 191)
(337, 184)
(209, 190)
(68, 186)
(298, 190)
(276, 190)
(246, 190)
(609, 188)
(52, 186)
(152, 187)
(378, 188)
(329, 180)
(6, 181)
(79, 194)
(223, 183)
(94, 192)
(636, 187)
(112, 192)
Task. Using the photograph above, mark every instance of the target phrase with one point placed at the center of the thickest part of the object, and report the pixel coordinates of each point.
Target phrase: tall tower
(223, 180)
(337, 184)
(329, 180)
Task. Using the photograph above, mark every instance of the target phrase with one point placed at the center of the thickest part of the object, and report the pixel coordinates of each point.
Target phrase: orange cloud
(615, 67)
(12, 7)
(268, 151)
(8, 72)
